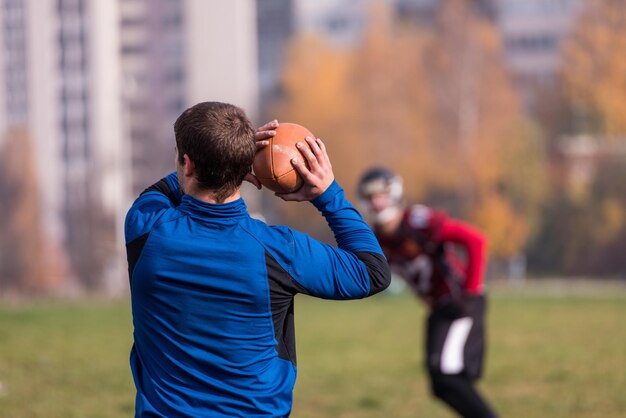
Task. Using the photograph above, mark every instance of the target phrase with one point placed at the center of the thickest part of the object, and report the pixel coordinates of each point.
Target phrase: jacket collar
(197, 207)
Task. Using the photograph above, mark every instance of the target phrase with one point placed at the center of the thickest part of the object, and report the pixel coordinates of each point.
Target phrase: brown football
(272, 164)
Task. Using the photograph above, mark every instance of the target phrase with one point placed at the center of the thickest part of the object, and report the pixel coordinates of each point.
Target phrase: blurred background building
(276, 24)
(95, 87)
(532, 33)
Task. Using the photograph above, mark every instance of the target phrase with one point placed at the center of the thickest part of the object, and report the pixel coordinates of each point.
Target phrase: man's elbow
(380, 281)
(378, 271)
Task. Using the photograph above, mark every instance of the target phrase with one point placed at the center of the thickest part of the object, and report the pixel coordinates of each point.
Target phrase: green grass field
(553, 352)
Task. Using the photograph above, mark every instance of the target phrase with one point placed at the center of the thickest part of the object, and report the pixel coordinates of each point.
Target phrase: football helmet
(380, 180)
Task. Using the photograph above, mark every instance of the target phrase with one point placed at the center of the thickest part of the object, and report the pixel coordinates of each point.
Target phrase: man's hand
(318, 177)
(261, 137)
(264, 133)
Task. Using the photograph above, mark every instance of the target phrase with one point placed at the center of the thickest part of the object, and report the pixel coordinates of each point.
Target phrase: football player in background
(442, 260)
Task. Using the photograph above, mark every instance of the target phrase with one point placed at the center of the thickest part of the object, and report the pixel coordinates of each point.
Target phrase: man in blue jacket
(212, 288)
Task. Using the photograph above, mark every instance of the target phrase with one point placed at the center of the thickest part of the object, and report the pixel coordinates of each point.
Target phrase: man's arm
(169, 187)
(150, 204)
(474, 243)
(358, 267)
(354, 236)
(145, 213)
(353, 270)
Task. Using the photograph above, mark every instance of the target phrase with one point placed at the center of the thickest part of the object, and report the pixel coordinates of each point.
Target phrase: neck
(208, 196)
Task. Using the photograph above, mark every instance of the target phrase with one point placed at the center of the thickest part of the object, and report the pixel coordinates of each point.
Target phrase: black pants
(455, 344)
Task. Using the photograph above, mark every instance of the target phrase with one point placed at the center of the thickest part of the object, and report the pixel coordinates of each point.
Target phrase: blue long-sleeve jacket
(212, 299)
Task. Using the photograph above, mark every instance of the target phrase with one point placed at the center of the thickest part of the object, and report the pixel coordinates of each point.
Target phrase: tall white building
(221, 60)
(152, 50)
(275, 27)
(175, 54)
(221, 53)
(28, 98)
(99, 84)
(59, 78)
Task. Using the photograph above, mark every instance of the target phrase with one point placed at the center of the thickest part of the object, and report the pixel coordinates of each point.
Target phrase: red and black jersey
(437, 256)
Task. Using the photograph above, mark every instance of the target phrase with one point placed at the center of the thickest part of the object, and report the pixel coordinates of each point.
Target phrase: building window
(532, 43)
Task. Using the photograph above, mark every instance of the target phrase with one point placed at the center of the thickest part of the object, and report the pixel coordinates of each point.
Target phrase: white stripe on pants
(452, 354)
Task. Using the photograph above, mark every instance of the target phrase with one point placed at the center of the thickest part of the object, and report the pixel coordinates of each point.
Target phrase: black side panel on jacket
(282, 290)
(133, 251)
(379, 272)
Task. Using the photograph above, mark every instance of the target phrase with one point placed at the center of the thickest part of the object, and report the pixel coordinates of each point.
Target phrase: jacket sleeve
(474, 243)
(356, 268)
(150, 205)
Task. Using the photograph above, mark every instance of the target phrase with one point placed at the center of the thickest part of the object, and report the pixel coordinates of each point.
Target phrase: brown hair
(219, 139)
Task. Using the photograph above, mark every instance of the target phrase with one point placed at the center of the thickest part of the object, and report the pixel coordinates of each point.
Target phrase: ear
(189, 167)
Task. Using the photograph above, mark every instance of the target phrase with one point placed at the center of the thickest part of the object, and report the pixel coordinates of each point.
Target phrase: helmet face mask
(380, 194)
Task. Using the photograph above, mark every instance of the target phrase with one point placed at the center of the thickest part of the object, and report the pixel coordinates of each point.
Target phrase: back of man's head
(219, 140)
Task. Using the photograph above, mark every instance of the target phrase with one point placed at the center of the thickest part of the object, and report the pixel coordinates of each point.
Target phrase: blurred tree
(608, 214)
(509, 210)
(594, 68)
(585, 237)
(494, 155)
(21, 239)
(584, 230)
(91, 238)
(313, 84)
(311, 80)
(436, 105)
(390, 115)
(365, 103)
(557, 248)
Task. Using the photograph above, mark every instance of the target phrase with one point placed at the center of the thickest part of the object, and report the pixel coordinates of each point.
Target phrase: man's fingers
(302, 169)
(324, 155)
(314, 168)
(269, 126)
(320, 144)
(266, 131)
(263, 135)
(307, 153)
(318, 149)
(323, 158)
(314, 146)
